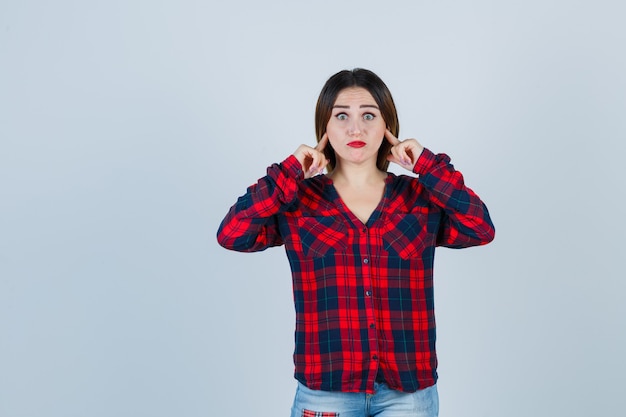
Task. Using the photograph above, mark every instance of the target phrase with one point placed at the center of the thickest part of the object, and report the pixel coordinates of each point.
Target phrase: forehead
(354, 95)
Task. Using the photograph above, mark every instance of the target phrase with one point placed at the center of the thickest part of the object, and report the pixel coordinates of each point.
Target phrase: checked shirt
(363, 293)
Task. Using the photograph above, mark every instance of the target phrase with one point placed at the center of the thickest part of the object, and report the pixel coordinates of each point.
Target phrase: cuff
(291, 166)
(425, 162)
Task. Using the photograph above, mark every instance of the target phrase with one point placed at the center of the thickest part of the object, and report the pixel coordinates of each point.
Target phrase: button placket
(367, 265)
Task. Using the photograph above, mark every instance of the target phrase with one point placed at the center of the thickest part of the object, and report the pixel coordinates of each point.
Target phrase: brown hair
(366, 79)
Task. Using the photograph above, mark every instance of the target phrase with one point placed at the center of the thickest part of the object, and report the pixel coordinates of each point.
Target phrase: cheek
(331, 142)
(377, 128)
(381, 127)
(379, 132)
(332, 130)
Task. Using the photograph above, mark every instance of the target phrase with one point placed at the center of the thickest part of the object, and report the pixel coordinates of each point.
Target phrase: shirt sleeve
(252, 223)
(466, 219)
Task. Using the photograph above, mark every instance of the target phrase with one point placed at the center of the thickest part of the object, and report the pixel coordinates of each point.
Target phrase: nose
(354, 129)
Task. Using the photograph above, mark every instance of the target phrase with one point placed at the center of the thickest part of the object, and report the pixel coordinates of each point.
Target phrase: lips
(356, 144)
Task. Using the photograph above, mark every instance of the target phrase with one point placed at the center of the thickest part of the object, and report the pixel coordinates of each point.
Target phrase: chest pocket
(405, 235)
(322, 236)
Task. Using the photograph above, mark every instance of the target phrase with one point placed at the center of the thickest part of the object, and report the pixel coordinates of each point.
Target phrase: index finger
(322, 143)
(391, 138)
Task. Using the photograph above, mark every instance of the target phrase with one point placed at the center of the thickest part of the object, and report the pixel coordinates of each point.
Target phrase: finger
(391, 138)
(394, 153)
(400, 156)
(311, 167)
(404, 155)
(314, 163)
(308, 174)
(408, 158)
(318, 161)
(322, 143)
(392, 158)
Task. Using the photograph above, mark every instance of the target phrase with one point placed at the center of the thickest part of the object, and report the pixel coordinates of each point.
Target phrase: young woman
(361, 244)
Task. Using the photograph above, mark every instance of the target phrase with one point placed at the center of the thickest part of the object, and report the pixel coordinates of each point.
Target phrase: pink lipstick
(356, 144)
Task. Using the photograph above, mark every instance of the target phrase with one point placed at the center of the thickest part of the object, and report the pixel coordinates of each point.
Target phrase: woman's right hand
(312, 160)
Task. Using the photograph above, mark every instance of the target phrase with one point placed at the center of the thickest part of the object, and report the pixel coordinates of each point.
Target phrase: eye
(368, 116)
(342, 116)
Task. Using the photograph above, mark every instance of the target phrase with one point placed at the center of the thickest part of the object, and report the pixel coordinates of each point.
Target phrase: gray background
(128, 128)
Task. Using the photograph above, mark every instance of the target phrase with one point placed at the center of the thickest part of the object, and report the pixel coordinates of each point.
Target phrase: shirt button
(368, 293)
(375, 357)
(372, 326)
(366, 261)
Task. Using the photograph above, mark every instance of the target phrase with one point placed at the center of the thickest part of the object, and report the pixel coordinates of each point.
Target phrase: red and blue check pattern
(309, 413)
(363, 293)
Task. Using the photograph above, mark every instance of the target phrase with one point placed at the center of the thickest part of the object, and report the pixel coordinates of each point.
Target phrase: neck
(357, 175)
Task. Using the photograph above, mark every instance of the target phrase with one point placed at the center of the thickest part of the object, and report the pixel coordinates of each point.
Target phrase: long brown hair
(366, 79)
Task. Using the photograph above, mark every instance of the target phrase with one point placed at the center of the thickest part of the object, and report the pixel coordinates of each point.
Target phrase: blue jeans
(385, 402)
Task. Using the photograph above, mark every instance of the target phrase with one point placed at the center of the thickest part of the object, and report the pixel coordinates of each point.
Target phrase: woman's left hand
(403, 153)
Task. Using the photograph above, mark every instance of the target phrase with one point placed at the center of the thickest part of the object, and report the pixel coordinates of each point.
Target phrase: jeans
(385, 402)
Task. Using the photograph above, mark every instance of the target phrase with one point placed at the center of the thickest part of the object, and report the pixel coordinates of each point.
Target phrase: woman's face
(356, 128)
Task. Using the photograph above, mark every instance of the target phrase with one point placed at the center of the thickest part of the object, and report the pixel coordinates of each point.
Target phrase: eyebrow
(361, 106)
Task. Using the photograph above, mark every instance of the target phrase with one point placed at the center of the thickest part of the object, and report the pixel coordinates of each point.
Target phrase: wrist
(425, 161)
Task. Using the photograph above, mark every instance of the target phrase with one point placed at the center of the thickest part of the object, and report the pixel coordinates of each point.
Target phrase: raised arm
(252, 223)
(466, 220)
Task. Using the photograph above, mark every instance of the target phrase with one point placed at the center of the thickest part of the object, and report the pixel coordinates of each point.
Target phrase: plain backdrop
(129, 127)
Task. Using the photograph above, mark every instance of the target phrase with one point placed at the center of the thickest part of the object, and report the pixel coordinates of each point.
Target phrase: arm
(252, 223)
(466, 221)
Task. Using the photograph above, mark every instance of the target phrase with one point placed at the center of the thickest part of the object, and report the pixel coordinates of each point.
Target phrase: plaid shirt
(363, 293)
